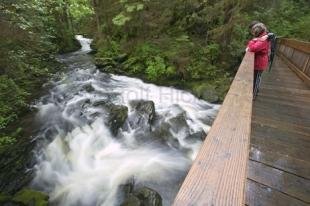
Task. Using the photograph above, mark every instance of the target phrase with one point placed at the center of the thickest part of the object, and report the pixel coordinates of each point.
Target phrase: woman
(260, 46)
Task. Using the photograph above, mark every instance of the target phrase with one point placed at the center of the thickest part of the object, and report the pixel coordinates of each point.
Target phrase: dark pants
(256, 82)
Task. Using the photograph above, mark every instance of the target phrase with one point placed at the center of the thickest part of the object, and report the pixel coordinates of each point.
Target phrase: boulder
(197, 136)
(117, 115)
(88, 88)
(131, 200)
(143, 197)
(148, 197)
(143, 114)
(179, 122)
(207, 92)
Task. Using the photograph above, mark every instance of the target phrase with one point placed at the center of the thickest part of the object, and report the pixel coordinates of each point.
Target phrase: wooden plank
(292, 110)
(218, 174)
(281, 162)
(283, 102)
(281, 135)
(274, 114)
(261, 195)
(302, 75)
(302, 103)
(296, 44)
(301, 153)
(289, 184)
(289, 90)
(262, 120)
(293, 85)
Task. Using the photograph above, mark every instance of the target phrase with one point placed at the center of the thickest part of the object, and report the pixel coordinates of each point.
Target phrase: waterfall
(100, 132)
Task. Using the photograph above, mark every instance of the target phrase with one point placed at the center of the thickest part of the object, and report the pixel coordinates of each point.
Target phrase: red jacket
(261, 49)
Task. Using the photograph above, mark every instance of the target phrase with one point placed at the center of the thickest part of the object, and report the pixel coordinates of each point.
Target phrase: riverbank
(210, 90)
(17, 141)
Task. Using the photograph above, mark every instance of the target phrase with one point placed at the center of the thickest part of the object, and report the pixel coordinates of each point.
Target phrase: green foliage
(285, 18)
(109, 49)
(80, 9)
(120, 19)
(12, 98)
(158, 70)
(7, 140)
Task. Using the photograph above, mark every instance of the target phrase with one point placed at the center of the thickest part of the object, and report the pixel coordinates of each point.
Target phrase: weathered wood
(296, 44)
(279, 167)
(296, 56)
(282, 125)
(281, 101)
(300, 152)
(261, 195)
(285, 136)
(289, 184)
(218, 174)
(280, 161)
(278, 116)
(297, 70)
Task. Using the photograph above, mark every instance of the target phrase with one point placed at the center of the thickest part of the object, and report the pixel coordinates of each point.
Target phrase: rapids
(81, 162)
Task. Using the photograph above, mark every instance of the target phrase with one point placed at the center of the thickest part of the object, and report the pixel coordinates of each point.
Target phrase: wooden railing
(296, 55)
(218, 175)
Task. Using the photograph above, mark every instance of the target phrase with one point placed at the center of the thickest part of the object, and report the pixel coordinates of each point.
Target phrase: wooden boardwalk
(279, 165)
(257, 153)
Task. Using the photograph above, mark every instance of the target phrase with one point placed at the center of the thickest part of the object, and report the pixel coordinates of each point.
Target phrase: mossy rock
(131, 201)
(31, 197)
(206, 92)
(4, 198)
(117, 115)
(148, 197)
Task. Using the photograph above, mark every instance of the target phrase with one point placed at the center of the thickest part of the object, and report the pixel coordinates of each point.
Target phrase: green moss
(4, 198)
(31, 197)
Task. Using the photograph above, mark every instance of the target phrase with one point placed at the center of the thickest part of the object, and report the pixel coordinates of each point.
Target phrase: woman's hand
(262, 38)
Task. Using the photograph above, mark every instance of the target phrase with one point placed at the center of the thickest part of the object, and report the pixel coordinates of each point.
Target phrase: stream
(101, 132)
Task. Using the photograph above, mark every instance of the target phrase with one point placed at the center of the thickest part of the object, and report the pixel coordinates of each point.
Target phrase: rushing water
(81, 162)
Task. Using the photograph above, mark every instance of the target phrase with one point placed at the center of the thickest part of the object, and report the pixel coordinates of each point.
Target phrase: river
(99, 132)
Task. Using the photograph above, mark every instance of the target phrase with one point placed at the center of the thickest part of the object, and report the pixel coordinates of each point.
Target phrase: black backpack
(273, 44)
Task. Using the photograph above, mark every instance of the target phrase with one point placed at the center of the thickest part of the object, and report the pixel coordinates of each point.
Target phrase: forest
(195, 45)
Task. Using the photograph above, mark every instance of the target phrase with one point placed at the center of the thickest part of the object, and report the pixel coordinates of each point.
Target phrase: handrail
(218, 175)
(296, 55)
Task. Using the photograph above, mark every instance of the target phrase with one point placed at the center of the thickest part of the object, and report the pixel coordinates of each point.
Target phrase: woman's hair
(252, 24)
(258, 29)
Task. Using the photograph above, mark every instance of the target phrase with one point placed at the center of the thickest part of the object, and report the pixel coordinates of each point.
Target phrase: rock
(148, 197)
(31, 197)
(16, 159)
(179, 122)
(144, 108)
(117, 116)
(85, 103)
(101, 103)
(89, 88)
(201, 135)
(207, 92)
(131, 200)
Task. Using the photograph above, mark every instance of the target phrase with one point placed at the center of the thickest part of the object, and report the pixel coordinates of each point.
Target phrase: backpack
(273, 44)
